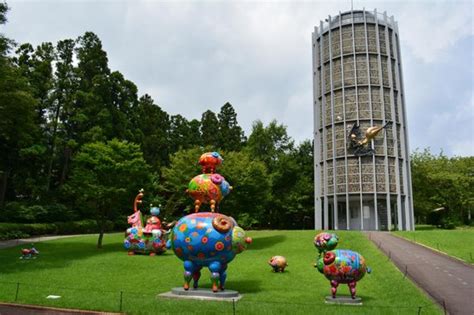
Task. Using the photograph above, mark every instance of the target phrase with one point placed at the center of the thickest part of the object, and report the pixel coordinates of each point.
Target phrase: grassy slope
(458, 243)
(96, 278)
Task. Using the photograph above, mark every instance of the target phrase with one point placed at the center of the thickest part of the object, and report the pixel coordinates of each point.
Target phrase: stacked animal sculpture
(207, 239)
(340, 265)
(208, 187)
(150, 239)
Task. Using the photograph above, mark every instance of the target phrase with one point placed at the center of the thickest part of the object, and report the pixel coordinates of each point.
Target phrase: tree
(17, 114)
(445, 183)
(231, 136)
(269, 143)
(210, 129)
(153, 124)
(251, 194)
(105, 177)
(174, 181)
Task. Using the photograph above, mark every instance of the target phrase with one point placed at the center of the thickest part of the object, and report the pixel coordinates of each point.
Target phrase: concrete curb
(55, 309)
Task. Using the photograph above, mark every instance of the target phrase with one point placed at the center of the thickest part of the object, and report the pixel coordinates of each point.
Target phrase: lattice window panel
(378, 143)
(394, 73)
(359, 39)
(321, 183)
(327, 78)
(350, 104)
(340, 176)
(361, 69)
(364, 105)
(336, 43)
(372, 38)
(347, 39)
(330, 177)
(380, 174)
(397, 106)
(329, 143)
(390, 142)
(374, 70)
(325, 48)
(391, 173)
(328, 116)
(385, 70)
(387, 104)
(382, 42)
(390, 42)
(399, 142)
(336, 73)
(321, 151)
(349, 70)
(376, 103)
(400, 169)
(340, 137)
(338, 107)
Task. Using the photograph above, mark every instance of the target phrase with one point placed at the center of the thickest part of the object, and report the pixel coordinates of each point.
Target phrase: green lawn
(88, 278)
(458, 243)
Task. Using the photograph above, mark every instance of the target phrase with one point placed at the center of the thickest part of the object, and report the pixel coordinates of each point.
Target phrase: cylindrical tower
(358, 83)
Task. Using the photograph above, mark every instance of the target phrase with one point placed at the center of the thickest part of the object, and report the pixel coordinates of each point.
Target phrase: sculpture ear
(222, 223)
(329, 257)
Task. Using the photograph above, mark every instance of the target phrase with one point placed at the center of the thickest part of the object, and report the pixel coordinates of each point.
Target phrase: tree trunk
(53, 147)
(101, 224)
(67, 156)
(3, 186)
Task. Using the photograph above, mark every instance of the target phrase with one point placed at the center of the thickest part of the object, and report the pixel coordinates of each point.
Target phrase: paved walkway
(449, 281)
(13, 243)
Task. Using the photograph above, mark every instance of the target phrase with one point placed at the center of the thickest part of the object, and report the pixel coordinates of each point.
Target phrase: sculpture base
(202, 294)
(346, 300)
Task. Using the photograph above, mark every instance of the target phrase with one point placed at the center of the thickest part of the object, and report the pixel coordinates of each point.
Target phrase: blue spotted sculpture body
(207, 239)
(339, 265)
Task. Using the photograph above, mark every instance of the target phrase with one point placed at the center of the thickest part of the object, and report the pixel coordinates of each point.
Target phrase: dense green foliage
(445, 185)
(458, 243)
(88, 278)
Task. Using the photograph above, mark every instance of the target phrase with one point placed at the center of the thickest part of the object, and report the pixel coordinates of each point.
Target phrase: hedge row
(20, 230)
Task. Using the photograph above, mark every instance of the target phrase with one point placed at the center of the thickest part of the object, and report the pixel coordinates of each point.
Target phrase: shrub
(20, 230)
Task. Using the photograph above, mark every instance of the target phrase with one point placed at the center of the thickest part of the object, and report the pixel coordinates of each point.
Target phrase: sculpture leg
(197, 204)
(213, 205)
(352, 288)
(223, 277)
(196, 276)
(215, 269)
(188, 273)
(334, 285)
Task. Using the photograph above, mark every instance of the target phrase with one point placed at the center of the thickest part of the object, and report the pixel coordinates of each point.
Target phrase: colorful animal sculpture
(343, 266)
(340, 265)
(209, 162)
(150, 239)
(29, 253)
(208, 189)
(325, 241)
(207, 239)
(278, 263)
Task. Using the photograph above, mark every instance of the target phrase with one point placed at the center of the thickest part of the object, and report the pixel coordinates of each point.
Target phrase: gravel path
(449, 281)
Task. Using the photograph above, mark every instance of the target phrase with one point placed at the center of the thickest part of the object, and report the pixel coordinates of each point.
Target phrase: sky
(191, 56)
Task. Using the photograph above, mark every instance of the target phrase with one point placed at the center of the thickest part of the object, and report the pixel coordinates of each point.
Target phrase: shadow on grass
(244, 286)
(266, 242)
(423, 227)
(55, 254)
